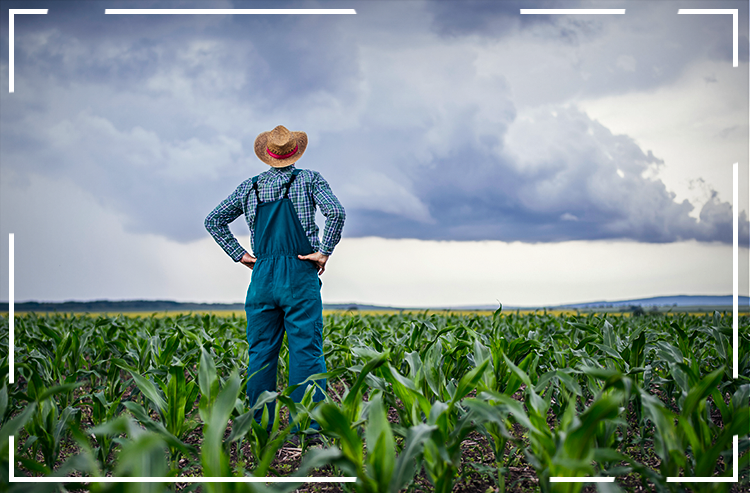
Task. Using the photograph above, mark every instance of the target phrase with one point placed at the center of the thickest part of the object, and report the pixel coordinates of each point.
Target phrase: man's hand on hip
(318, 259)
(248, 260)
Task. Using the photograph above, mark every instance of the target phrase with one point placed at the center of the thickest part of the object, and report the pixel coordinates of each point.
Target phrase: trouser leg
(304, 328)
(265, 332)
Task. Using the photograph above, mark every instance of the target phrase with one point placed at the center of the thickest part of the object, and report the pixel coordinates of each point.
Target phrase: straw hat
(280, 147)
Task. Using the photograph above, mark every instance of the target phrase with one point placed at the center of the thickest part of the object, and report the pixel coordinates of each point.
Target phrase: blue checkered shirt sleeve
(217, 222)
(333, 211)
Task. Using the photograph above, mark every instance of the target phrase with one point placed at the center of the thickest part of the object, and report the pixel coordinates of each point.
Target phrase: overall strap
(289, 185)
(255, 187)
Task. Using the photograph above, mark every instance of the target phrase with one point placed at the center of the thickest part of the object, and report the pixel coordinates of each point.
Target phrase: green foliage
(570, 395)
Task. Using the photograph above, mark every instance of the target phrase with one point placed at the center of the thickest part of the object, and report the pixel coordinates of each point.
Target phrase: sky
(482, 156)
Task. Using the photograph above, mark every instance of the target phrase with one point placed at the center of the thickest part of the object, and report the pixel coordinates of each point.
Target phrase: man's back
(309, 190)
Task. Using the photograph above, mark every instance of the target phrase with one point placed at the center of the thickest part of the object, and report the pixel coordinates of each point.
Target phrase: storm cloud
(422, 132)
(556, 175)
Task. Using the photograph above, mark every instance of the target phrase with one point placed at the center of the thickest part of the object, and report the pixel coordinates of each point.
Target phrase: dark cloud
(156, 116)
(492, 18)
(582, 182)
(280, 65)
(647, 47)
(146, 111)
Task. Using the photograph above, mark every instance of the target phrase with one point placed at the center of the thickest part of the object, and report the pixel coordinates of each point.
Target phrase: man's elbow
(208, 223)
(339, 214)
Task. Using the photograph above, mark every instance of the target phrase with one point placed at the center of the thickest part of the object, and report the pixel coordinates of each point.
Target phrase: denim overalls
(284, 295)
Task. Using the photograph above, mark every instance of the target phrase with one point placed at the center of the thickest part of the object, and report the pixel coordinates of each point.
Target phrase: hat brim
(260, 150)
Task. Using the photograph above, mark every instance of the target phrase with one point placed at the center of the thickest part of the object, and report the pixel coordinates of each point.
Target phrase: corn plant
(8, 429)
(265, 443)
(213, 456)
(569, 448)
(143, 454)
(171, 401)
(102, 412)
(442, 453)
(689, 441)
(415, 407)
(379, 469)
(47, 426)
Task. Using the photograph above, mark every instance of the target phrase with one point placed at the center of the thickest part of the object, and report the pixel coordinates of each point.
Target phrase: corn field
(415, 402)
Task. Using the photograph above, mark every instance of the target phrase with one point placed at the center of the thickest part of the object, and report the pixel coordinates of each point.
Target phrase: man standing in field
(284, 293)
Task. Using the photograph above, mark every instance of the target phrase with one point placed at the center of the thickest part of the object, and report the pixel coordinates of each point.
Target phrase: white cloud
(428, 273)
(67, 247)
(698, 128)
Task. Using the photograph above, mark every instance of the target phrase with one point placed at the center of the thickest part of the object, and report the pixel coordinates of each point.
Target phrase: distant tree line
(119, 306)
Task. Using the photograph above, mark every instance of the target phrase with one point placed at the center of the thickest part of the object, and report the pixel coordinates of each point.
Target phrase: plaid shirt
(308, 191)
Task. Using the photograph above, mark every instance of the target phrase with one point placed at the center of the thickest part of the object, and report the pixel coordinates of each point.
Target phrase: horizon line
(466, 306)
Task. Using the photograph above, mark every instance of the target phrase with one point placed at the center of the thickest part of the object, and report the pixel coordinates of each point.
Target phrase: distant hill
(679, 301)
(658, 301)
(99, 306)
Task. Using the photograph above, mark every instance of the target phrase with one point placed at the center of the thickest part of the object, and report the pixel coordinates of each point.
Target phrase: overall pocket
(259, 292)
(306, 285)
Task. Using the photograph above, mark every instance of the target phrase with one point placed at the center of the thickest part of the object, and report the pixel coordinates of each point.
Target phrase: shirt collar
(283, 171)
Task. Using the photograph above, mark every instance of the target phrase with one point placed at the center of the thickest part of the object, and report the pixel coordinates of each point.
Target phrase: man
(284, 293)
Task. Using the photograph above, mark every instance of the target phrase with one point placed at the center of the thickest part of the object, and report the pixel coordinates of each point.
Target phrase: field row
(437, 402)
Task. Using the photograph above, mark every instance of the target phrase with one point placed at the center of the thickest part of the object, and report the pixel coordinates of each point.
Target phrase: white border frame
(595, 479)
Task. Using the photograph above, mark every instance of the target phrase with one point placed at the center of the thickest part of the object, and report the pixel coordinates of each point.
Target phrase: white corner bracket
(11, 13)
(712, 479)
(735, 15)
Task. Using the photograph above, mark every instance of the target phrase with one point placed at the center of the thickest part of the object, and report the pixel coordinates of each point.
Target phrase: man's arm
(217, 223)
(333, 211)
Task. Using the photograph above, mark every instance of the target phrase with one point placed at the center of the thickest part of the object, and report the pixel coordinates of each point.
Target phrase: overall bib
(284, 296)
